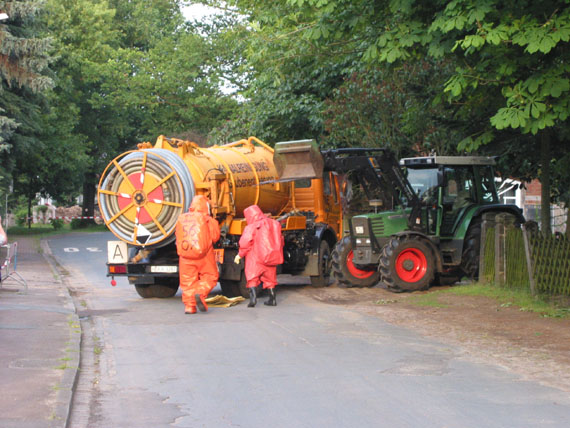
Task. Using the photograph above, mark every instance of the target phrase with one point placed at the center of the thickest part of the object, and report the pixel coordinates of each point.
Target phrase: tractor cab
(448, 186)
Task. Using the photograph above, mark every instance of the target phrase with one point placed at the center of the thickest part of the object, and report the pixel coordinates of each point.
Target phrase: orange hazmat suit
(262, 246)
(196, 232)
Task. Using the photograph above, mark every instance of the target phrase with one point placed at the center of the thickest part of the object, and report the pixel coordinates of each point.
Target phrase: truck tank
(142, 192)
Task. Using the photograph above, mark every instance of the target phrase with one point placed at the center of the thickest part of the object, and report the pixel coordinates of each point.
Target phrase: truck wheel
(345, 272)
(471, 248)
(156, 290)
(239, 286)
(235, 288)
(227, 288)
(406, 264)
(322, 279)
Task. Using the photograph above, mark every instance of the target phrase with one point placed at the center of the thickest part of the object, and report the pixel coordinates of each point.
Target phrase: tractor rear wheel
(345, 272)
(471, 249)
(407, 263)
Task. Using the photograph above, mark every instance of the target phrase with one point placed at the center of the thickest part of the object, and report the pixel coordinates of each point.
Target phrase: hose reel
(142, 193)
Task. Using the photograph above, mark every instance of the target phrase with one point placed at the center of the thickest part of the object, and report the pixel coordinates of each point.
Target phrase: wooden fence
(523, 258)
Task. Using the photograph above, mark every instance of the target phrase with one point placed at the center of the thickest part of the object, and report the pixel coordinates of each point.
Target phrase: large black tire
(322, 279)
(235, 288)
(471, 250)
(407, 263)
(162, 291)
(228, 288)
(345, 272)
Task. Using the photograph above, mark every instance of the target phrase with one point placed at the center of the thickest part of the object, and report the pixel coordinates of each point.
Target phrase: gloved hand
(237, 259)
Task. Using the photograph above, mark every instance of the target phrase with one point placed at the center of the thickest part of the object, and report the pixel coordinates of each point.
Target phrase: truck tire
(345, 272)
(156, 290)
(232, 288)
(471, 249)
(227, 288)
(406, 264)
(324, 263)
(239, 286)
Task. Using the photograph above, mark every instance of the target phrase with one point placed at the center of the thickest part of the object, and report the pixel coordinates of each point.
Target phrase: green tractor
(425, 226)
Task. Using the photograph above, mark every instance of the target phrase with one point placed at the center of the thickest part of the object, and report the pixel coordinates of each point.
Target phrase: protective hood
(253, 214)
(200, 205)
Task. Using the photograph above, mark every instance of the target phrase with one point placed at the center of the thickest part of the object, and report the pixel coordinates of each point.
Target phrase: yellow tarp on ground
(220, 301)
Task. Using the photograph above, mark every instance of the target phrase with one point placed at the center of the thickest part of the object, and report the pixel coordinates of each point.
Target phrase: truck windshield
(423, 181)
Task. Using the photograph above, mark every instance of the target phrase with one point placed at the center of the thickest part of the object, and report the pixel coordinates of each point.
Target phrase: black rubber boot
(252, 297)
(272, 301)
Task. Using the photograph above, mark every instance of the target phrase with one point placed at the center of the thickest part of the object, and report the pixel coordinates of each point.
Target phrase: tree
(393, 108)
(518, 49)
(508, 90)
(128, 71)
(300, 87)
(24, 61)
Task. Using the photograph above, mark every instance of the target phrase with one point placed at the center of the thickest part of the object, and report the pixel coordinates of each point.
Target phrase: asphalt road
(301, 364)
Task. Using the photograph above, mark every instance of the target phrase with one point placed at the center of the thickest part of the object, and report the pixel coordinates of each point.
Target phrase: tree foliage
(24, 60)
(129, 71)
(451, 76)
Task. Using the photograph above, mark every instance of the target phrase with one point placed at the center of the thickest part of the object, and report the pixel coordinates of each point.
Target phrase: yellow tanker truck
(142, 192)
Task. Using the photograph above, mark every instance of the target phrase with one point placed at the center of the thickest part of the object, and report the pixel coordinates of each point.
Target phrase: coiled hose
(142, 193)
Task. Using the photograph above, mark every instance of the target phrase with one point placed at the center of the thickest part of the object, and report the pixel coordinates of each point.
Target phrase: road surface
(301, 364)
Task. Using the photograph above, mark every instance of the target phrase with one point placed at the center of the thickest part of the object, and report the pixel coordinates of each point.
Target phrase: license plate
(164, 269)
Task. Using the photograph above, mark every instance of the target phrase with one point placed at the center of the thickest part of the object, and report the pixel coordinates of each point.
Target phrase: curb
(69, 381)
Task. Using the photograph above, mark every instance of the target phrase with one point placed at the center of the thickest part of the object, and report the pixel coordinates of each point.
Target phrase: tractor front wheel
(406, 264)
(345, 272)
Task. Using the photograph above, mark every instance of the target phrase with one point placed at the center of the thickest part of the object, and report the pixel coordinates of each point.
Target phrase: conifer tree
(24, 60)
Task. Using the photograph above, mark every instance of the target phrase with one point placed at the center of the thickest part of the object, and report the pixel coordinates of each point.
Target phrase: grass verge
(546, 306)
(43, 230)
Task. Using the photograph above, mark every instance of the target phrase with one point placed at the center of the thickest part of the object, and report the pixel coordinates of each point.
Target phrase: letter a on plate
(117, 252)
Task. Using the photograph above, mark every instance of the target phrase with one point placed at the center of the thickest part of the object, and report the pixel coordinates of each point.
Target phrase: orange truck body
(142, 192)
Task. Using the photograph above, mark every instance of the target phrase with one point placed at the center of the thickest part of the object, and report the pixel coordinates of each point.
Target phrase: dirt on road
(535, 347)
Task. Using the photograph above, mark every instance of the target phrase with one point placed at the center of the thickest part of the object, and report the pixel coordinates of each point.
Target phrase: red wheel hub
(140, 198)
(411, 265)
(354, 271)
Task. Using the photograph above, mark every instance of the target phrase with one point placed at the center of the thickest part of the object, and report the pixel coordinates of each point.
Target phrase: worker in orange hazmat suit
(196, 232)
(262, 246)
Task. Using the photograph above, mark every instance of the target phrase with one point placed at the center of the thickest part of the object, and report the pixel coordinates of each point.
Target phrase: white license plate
(164, 269)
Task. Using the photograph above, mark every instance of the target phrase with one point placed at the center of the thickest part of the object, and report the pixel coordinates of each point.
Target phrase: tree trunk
(29, 212)
(88, 198)
(545, 181)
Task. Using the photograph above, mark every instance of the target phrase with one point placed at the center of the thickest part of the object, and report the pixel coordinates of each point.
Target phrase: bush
(76, 224)
(57, 223)
(21, 215)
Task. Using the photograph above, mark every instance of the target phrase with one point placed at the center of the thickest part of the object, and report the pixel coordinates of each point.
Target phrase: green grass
(543, 305)
(42, 230)
(429, 299)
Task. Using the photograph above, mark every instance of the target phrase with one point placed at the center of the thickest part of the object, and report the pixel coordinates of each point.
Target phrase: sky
(196, 11)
